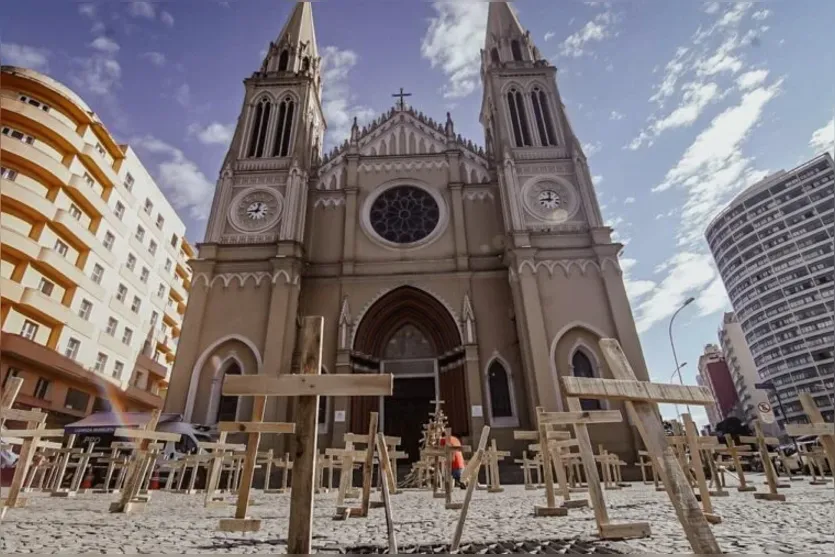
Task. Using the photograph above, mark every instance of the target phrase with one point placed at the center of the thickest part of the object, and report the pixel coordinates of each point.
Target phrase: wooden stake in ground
(639, 397)
(692, 435)
(494, 455)
(307, 386)
(768, 466)
(824, 430)
(385, 465)
(735, 453)
(470, 477)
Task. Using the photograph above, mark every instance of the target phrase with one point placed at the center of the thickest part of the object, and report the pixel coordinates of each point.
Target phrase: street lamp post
(673, 376)
(686, 303)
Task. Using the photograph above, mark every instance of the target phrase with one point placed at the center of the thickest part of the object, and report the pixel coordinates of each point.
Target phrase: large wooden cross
(307, 386)
(824, 430)
(762, 443)
(470, 477)
(640, 398)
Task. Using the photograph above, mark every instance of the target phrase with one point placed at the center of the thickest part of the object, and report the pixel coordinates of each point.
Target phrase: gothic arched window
(260, 122)
(582, 367)
(306, 63)
(494, 55)
(499, 384)
(518, 118)
(227, 409)
(284, 128)
(543, 117)
(516, 50)
(283, 61)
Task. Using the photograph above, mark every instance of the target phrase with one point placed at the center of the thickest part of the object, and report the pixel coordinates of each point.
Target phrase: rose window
(404, 214)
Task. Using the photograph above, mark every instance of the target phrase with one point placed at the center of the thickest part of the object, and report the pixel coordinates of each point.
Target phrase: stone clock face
(550, 201)
(255, 210)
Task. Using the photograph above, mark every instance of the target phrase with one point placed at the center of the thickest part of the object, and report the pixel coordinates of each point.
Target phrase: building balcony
(57, 265)
(164, 344)
(115, 345)
(87, 197)
(133, 279)
(26, 201)
(178, 292)
(45, 124)
(150, 225)
(154, 368)
(104, 172)
(22, 247)
(53, 312)
(125, 311)
(10, 291)
(74, 229)
(141, 250)
(27, 156)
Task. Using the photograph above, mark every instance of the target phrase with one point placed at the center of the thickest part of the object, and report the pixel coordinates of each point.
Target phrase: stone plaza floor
(177, 523)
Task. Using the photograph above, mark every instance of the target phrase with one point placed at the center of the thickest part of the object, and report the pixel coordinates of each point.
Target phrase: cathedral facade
(476, 276)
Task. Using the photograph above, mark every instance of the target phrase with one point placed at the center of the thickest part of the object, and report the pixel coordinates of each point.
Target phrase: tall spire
(502, 23)
(295, 50)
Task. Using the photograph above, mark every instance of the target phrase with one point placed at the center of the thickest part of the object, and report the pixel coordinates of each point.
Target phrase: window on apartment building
(140, 233)
(7, 173)
(127, 336)
(76, 400)
(152, 248)
(118, 368)
(131, 264)
(174, 240)
(97, 274)
(102, 405)
(119, 210)
(134, 307)
(18, 135)
(101, 362)
(75, 212)
(111, 326)
(89, 180)
(161, 290)
(122, 293)
(29, 330)
(73, 344)
(168, 265)
(160, 221)
(129, 182)
(85, 309)
(154, 318)
(46, 286)
(100, 149)
(144, 275)
(109, 238)
(61, 247)
(34, 102)
(41, 388)
(11, 372)
(149, 206)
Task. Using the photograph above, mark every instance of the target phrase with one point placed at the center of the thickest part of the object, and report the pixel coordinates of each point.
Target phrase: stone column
(461, 259)
(475, 388)
(351, 212)
(339, 429)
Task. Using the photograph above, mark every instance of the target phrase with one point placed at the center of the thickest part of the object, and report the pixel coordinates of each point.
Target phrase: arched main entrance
(411, 335)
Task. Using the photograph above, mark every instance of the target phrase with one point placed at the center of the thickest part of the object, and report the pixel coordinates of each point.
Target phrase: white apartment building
(773, 246)
(94, 259)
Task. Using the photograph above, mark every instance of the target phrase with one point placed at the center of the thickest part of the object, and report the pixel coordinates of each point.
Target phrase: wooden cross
(735, 453)
(824, 430)
(141, 461)
(762, 443)
(644, 465)
(551, 462)
(640, 398)
(447, 451)
(470, 477)
(116, 461)
(401, 104)
(307, 386)
(388, 478)
(80, 469)
(692, 435)
(491, 467)
(217, 452)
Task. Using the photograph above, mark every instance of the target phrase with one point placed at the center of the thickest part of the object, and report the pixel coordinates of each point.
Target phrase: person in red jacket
(458, 462)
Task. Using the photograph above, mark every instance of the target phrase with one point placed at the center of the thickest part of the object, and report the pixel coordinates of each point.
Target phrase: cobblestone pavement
(175, 523)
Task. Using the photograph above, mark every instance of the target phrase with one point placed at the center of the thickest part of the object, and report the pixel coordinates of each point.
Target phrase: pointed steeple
(295, 50)
(506, 40)
(502, 23)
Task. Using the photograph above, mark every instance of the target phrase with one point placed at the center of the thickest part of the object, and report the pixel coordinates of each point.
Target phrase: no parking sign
(766, 414)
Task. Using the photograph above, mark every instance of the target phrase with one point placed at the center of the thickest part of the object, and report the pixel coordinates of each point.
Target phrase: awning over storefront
(108, 422)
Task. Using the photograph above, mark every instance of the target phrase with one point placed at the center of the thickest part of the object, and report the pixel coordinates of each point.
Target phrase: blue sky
(679, 104)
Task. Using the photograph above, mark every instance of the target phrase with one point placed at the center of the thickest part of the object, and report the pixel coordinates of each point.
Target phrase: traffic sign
(766, 413)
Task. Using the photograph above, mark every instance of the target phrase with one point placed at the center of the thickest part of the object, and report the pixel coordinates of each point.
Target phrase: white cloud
(213, 134)
(105, 44)
(635, 289)
(597, 179)
(183, 95)
(156, 58)
(714, 298)
(712, 7)
(615, 115)
(186, 187)
(596, 30)
(142, 8)
(99, 74)
(453, 42)
(337, 101)
(591, 148)
(823, 139)
(734, 15)
(723, 60)
(87, 10)
(761, 14)
(550, 35)
(629, 201)
(24, 56)
(166, 18)
(673, 71)
(752, 79)
(695, 98)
